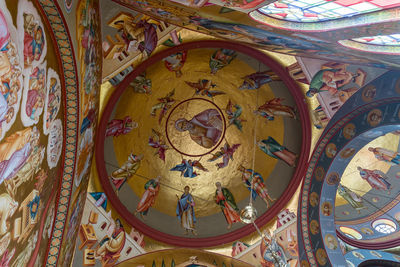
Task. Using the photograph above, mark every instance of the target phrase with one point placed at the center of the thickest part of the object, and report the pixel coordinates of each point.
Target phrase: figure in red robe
(117, 127)
(225, 199)
(376, 179)
(149, 196)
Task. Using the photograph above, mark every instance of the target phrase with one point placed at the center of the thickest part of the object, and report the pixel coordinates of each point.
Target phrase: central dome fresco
(187, 133)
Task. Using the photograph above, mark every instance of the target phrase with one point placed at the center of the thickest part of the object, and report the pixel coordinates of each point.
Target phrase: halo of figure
(376, 179)
(254, 182)
(149, 196)
(221, 58)
(224, 198)
(117, 127)
(274, 107)
(164, 104)
(234, 112)
(156, 141)
(186, 168)
(185, 211)
(126, 171)
(226, 152)
(273, 149)
(256, 80)
(386, 155)
(203, 87)
(204, 128)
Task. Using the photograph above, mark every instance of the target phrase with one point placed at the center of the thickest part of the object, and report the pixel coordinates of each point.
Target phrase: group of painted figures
(206, 130)
(375, 178)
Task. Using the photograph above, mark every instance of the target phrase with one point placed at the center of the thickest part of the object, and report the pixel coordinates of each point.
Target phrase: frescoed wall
(104, 241)
(346, 134)
(333, 83)
(88, 53)
(33, 107)
(302, 38)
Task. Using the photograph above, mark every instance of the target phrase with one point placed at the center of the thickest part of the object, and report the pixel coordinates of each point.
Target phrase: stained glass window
(393, 39)
(322, 10)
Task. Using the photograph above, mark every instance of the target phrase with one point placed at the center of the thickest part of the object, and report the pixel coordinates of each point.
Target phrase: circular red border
(215, 146)
(245, 230)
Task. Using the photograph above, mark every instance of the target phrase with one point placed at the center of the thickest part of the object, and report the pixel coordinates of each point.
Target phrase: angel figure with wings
(186, 168)
(157, 141)
(164, 104)
(226, 152)
(203, 88)
(234, 112)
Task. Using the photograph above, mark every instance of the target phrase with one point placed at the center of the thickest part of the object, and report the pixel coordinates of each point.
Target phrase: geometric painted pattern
(63, 44)
(393, 39)
(323, 10)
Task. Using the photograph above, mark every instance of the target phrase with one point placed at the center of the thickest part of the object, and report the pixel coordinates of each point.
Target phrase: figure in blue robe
(185, 211)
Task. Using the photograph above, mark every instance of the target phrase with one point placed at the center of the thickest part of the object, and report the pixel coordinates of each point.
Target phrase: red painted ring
(243, 231)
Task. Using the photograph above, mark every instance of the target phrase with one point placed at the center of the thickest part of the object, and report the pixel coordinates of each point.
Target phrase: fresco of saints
(141, 84)
(256, 80)
(129, 168)
(111, 246)
(157, 141)
(53, 99)
(273, 149)
(204, 128)
(376, 179)
(224, 198)
(15, 150)
(36, 94)
(386, 155)
(226, 152)
(203, 88)
(164, 103)
(272, 253)
(186, 168)
(234, 112)
(331, 80)
(118, 127)
(249, 178)
(274, 107)
(10, 75)
(352, 198)
(34, 39)
(185, 211)
(221, 58)
(149, 196)
(175, 62)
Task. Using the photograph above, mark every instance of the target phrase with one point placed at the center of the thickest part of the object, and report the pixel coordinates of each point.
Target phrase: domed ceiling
(194, 116)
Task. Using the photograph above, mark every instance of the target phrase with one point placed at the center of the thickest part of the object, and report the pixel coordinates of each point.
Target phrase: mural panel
(27, 55)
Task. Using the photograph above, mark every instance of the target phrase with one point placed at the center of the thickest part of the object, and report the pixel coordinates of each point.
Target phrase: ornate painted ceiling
(243, 114)
(186, 126)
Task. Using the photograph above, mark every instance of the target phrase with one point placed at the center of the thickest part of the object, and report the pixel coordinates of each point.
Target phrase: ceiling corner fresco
(319, 39)
(38, 93)
(346, 134)
(192, 133)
